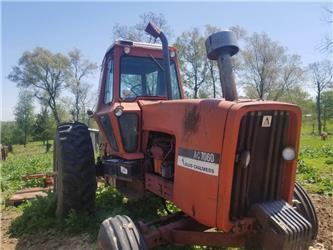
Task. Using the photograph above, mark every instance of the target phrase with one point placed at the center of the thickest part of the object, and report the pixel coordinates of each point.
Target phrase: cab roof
(124, 43)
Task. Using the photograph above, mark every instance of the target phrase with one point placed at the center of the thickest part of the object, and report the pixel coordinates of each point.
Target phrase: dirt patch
(324, 209)
(6, 219)
(48, 240)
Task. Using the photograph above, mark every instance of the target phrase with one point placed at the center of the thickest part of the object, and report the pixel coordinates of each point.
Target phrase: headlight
(288, 154)
(118, 111)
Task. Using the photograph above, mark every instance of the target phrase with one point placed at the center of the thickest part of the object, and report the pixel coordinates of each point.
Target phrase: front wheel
(75, 184)
(119, 233)
(305, 207)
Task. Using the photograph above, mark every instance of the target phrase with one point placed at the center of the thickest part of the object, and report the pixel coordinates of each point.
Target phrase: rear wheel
(75, 184)
(305, 207)
(119, 233)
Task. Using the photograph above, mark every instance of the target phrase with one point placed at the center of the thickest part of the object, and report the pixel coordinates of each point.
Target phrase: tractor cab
(132, 71)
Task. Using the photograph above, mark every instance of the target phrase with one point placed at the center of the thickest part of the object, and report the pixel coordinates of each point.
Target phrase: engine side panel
(198, 126)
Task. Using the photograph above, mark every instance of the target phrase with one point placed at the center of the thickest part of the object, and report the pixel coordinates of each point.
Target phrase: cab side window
(174, 82)
(109, 83)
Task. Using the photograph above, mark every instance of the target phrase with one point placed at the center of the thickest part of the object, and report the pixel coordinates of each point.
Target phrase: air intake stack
(221, 46)
(154, 31)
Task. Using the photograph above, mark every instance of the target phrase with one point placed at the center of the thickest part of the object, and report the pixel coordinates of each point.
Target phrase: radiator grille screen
(264, 135)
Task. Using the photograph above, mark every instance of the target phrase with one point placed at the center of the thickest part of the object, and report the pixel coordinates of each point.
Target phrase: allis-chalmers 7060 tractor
(229, 165)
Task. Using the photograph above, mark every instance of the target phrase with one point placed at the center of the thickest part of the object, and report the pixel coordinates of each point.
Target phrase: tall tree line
(48, 74)
(264, 70)
(47, 77)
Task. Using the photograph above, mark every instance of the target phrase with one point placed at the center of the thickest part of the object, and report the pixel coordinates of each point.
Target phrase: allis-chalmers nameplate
(204, 162)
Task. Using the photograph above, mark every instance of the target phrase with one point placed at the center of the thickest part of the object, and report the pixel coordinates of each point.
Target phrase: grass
(315, 167)
(39, 215)
(315, 163)
(23, 161)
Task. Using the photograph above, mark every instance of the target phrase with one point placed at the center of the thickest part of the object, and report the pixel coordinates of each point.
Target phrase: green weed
(39, 215)
(314, 178)
(24, 161)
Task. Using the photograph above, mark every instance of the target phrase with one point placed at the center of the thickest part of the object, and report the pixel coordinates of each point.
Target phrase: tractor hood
(191, 121)
(198, 126)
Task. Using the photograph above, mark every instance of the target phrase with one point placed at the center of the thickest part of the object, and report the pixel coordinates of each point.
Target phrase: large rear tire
(119, 233)
(305, 207)
(75, 184)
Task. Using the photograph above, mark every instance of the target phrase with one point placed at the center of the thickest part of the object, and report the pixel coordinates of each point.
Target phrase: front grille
(261, 180)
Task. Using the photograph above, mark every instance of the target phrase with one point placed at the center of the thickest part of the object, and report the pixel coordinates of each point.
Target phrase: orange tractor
(229, 165)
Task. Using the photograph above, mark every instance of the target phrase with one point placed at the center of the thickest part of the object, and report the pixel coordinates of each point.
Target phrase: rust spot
(191, 121)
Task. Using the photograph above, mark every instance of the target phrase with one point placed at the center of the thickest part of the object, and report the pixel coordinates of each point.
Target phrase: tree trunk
(53, 107)
(25, 135)
(261, 94)
(47, 145)
(195, 92)
(56, 116)
(195, 85)
(324, 119)
(213, 79)
(77, 109)
(318, 113)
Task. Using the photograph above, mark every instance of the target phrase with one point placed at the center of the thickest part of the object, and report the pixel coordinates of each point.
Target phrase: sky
(62, 26)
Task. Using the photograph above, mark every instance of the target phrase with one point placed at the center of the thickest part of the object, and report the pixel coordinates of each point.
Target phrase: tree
(24, 115)
(43, 128)
(290, 75)
(213, 70)
(301, 98)
(44, 73)
(327, 44)
(239, 31)
(327, 107)
(137, 31)
(7, 132)
(193, 60)
(80, 69)
(266, 68)
(321, 75)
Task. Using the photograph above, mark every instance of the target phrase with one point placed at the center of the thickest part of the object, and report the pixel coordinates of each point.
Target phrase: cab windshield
(144, 76)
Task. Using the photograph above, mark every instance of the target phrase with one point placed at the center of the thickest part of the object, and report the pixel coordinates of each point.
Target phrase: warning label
(266, 121)
(204, 162)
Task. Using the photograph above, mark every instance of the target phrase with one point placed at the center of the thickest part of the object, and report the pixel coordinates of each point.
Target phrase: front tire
(75, 184)
(119, 233)
(305, 207)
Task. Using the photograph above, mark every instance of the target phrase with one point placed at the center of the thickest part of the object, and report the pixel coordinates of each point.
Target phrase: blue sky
(63, 26)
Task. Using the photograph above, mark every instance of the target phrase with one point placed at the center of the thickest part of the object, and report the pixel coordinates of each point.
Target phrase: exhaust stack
(221, 46)
(155, 32)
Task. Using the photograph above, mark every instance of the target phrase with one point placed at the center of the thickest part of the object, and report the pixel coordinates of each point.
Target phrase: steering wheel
(132, 89)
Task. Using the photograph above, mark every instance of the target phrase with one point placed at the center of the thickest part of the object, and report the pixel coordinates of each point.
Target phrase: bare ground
(324, 209)
(40, 241)
(47, 240)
